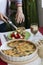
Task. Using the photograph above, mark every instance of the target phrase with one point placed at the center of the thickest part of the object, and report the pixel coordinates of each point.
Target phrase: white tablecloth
(32, 38)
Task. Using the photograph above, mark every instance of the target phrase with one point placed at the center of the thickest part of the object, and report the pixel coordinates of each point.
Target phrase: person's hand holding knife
(7, 20)
(3, 18)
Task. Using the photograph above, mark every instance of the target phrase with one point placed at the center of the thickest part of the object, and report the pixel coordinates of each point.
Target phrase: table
(4, 63)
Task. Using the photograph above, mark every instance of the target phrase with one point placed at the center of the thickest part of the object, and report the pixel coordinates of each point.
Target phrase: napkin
(37, 37)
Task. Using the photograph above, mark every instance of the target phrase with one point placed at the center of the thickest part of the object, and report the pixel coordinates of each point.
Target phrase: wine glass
(34, 30)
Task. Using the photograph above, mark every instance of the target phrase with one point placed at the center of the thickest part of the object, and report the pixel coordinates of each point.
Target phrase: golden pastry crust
(20, 48)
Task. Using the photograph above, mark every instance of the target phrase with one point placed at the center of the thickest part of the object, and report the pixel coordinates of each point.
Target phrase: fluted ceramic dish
(14, 58)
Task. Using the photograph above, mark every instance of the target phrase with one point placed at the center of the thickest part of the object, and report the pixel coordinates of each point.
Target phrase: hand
(3, 17)
(19, 15)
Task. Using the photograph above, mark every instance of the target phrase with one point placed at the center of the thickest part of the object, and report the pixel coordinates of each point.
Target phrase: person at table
(19, 15)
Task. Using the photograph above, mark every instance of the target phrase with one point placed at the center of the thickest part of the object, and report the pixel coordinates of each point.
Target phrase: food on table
(20, 48)
(20, 33)
(16, 35)
(21, 30)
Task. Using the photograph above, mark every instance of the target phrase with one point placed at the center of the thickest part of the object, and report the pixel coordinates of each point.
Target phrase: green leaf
(27, 35)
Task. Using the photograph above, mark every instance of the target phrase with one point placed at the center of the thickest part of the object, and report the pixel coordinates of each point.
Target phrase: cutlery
(0, 42)
(6, 38)
(10, 22)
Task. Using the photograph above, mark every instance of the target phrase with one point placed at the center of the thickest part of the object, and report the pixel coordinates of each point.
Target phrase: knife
(10, 22)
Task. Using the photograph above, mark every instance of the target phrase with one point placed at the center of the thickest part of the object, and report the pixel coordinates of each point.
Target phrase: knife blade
(10, 22)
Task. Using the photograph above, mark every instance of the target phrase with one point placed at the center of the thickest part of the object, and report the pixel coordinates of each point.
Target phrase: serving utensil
(10, 22)
(18, 29)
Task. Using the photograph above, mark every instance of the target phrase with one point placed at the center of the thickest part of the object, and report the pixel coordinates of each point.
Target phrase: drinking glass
(34, 30)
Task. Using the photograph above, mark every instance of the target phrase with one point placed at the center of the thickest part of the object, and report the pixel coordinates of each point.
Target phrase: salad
(16, 35)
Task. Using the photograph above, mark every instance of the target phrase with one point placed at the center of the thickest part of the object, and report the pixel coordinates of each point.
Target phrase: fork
(6, 38)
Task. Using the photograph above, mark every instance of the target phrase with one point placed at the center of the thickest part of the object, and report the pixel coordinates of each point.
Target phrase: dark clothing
(3, 27)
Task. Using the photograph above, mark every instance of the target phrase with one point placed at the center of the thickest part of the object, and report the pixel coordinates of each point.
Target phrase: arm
(18, 2)
(19, 15)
